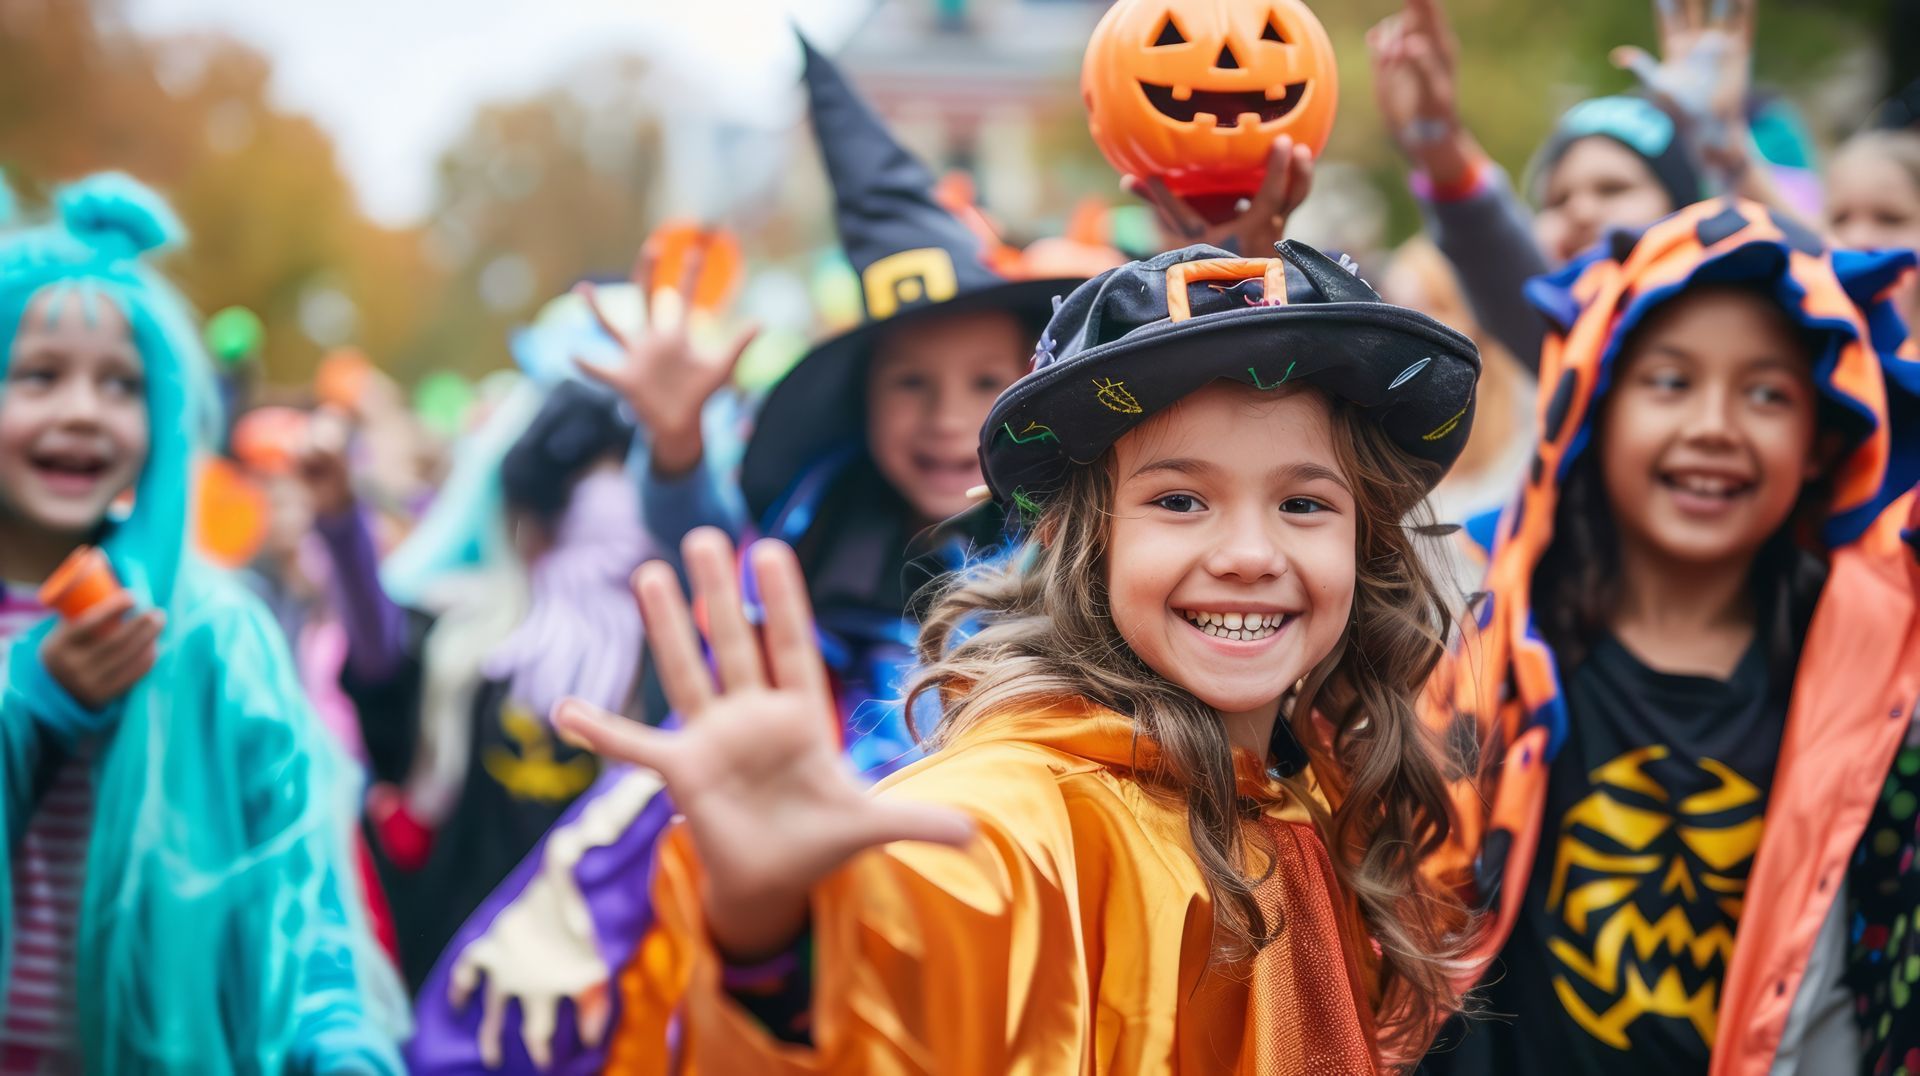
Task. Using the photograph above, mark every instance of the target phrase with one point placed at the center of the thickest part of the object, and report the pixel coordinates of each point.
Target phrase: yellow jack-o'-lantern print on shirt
(529, 770)
(1649, 875)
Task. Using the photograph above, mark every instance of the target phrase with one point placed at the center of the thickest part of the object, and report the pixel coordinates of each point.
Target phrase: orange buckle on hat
(1271, 271)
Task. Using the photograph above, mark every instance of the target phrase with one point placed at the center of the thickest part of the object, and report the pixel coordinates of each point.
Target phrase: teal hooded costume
(218, 925)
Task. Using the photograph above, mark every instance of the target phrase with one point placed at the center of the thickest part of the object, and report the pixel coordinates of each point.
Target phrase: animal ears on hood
(1864, 276)
(117, 215)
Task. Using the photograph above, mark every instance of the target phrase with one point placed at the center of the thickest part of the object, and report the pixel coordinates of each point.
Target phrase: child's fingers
(1668, 17)
(1637, 62)
(891, 820)
(671, 636)
(100, 620)
(1174, 208)
(114, 680)
(791, 648)
(739, 347)
(708, 554)
(696, 260)
(645, 264)
(134, 642)
(606, 375)
(592, 296)
(129, 639)
(1275, 187)
(590, 728)
(1300, 169)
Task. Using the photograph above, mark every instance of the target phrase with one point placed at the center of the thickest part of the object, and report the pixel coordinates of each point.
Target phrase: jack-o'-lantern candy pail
(1195, 91)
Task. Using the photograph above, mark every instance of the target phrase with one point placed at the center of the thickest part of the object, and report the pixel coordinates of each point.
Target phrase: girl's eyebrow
(1291, 472)
(1178, 465)
(1309, 472)
(1661, 347)
(1761, 362)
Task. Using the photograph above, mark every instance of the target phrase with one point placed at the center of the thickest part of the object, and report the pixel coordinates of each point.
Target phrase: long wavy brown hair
(1036, 625)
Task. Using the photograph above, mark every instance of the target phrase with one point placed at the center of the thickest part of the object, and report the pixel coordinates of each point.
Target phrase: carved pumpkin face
(1195, 91)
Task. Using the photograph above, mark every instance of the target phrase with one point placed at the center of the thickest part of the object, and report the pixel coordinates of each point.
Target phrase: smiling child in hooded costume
(172, 805)
(1696, 660)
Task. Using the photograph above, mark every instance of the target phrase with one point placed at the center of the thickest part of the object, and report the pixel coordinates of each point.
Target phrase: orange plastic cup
(82, 581)
(675, 241)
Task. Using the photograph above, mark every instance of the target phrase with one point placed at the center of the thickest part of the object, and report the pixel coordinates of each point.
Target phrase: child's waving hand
(756, 769)
(668, 375)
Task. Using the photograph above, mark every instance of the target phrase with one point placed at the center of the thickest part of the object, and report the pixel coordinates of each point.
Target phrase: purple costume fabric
(376, 627)
(616, 881)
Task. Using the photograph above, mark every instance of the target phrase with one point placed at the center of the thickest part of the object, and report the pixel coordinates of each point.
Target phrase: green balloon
(441, 400)
(235, 335)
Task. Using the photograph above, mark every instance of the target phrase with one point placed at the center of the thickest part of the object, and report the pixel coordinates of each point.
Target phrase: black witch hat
(914, 259)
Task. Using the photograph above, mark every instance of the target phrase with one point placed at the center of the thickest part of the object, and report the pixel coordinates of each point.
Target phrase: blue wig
(218, 929)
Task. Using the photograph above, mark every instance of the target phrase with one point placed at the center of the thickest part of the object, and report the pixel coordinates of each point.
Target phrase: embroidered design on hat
(1263, 387)
(1409, 373)
(1034, 432)
(1448, 426)
(1113, 395)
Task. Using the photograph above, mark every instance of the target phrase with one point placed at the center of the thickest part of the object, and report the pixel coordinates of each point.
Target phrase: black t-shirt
(520, 778)
(1654, 811)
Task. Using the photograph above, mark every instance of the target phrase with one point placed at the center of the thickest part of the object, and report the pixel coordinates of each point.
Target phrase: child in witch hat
(868, 440)
(1214, 459)
(856, 456)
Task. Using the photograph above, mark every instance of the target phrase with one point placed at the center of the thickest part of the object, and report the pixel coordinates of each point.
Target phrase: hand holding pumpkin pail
(83, 580)
(1194, 92)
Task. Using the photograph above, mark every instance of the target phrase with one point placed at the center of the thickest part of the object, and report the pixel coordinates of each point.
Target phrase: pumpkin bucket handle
(1271, 271)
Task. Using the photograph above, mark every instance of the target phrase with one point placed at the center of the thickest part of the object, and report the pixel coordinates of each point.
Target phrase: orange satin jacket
(1073, 935)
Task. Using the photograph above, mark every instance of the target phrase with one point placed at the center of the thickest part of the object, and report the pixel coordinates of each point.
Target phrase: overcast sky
(394, 81)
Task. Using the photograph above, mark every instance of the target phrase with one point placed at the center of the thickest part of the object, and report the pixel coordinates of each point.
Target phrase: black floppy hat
(915, 260)
(1136, 339)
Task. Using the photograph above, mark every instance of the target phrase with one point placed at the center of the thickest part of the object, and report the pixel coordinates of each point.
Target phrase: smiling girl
(1678, 766)
(1122, 858)
(176, 894)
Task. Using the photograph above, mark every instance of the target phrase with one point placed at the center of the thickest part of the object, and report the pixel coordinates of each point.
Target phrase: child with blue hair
(177, 894)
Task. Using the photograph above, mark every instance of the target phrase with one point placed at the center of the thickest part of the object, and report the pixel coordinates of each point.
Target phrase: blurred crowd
(284, 785)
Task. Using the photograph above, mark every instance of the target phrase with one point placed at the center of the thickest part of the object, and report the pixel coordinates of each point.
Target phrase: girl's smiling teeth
(1236, 626)
(1702, 484)
(69, 471)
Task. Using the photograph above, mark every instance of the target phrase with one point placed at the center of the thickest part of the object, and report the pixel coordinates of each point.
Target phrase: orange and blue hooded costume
(1782, 1004)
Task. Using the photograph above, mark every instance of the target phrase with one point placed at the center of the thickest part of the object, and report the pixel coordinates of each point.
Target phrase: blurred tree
(272, 220)
(534, 196)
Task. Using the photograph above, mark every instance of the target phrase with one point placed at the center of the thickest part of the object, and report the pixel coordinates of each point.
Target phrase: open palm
(1705, 66)
(756, 770)
(667, 375)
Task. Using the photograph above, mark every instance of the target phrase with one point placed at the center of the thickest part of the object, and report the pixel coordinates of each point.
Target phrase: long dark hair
(1040, 627)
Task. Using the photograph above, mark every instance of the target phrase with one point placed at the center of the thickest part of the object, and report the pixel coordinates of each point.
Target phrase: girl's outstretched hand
(756, 769)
